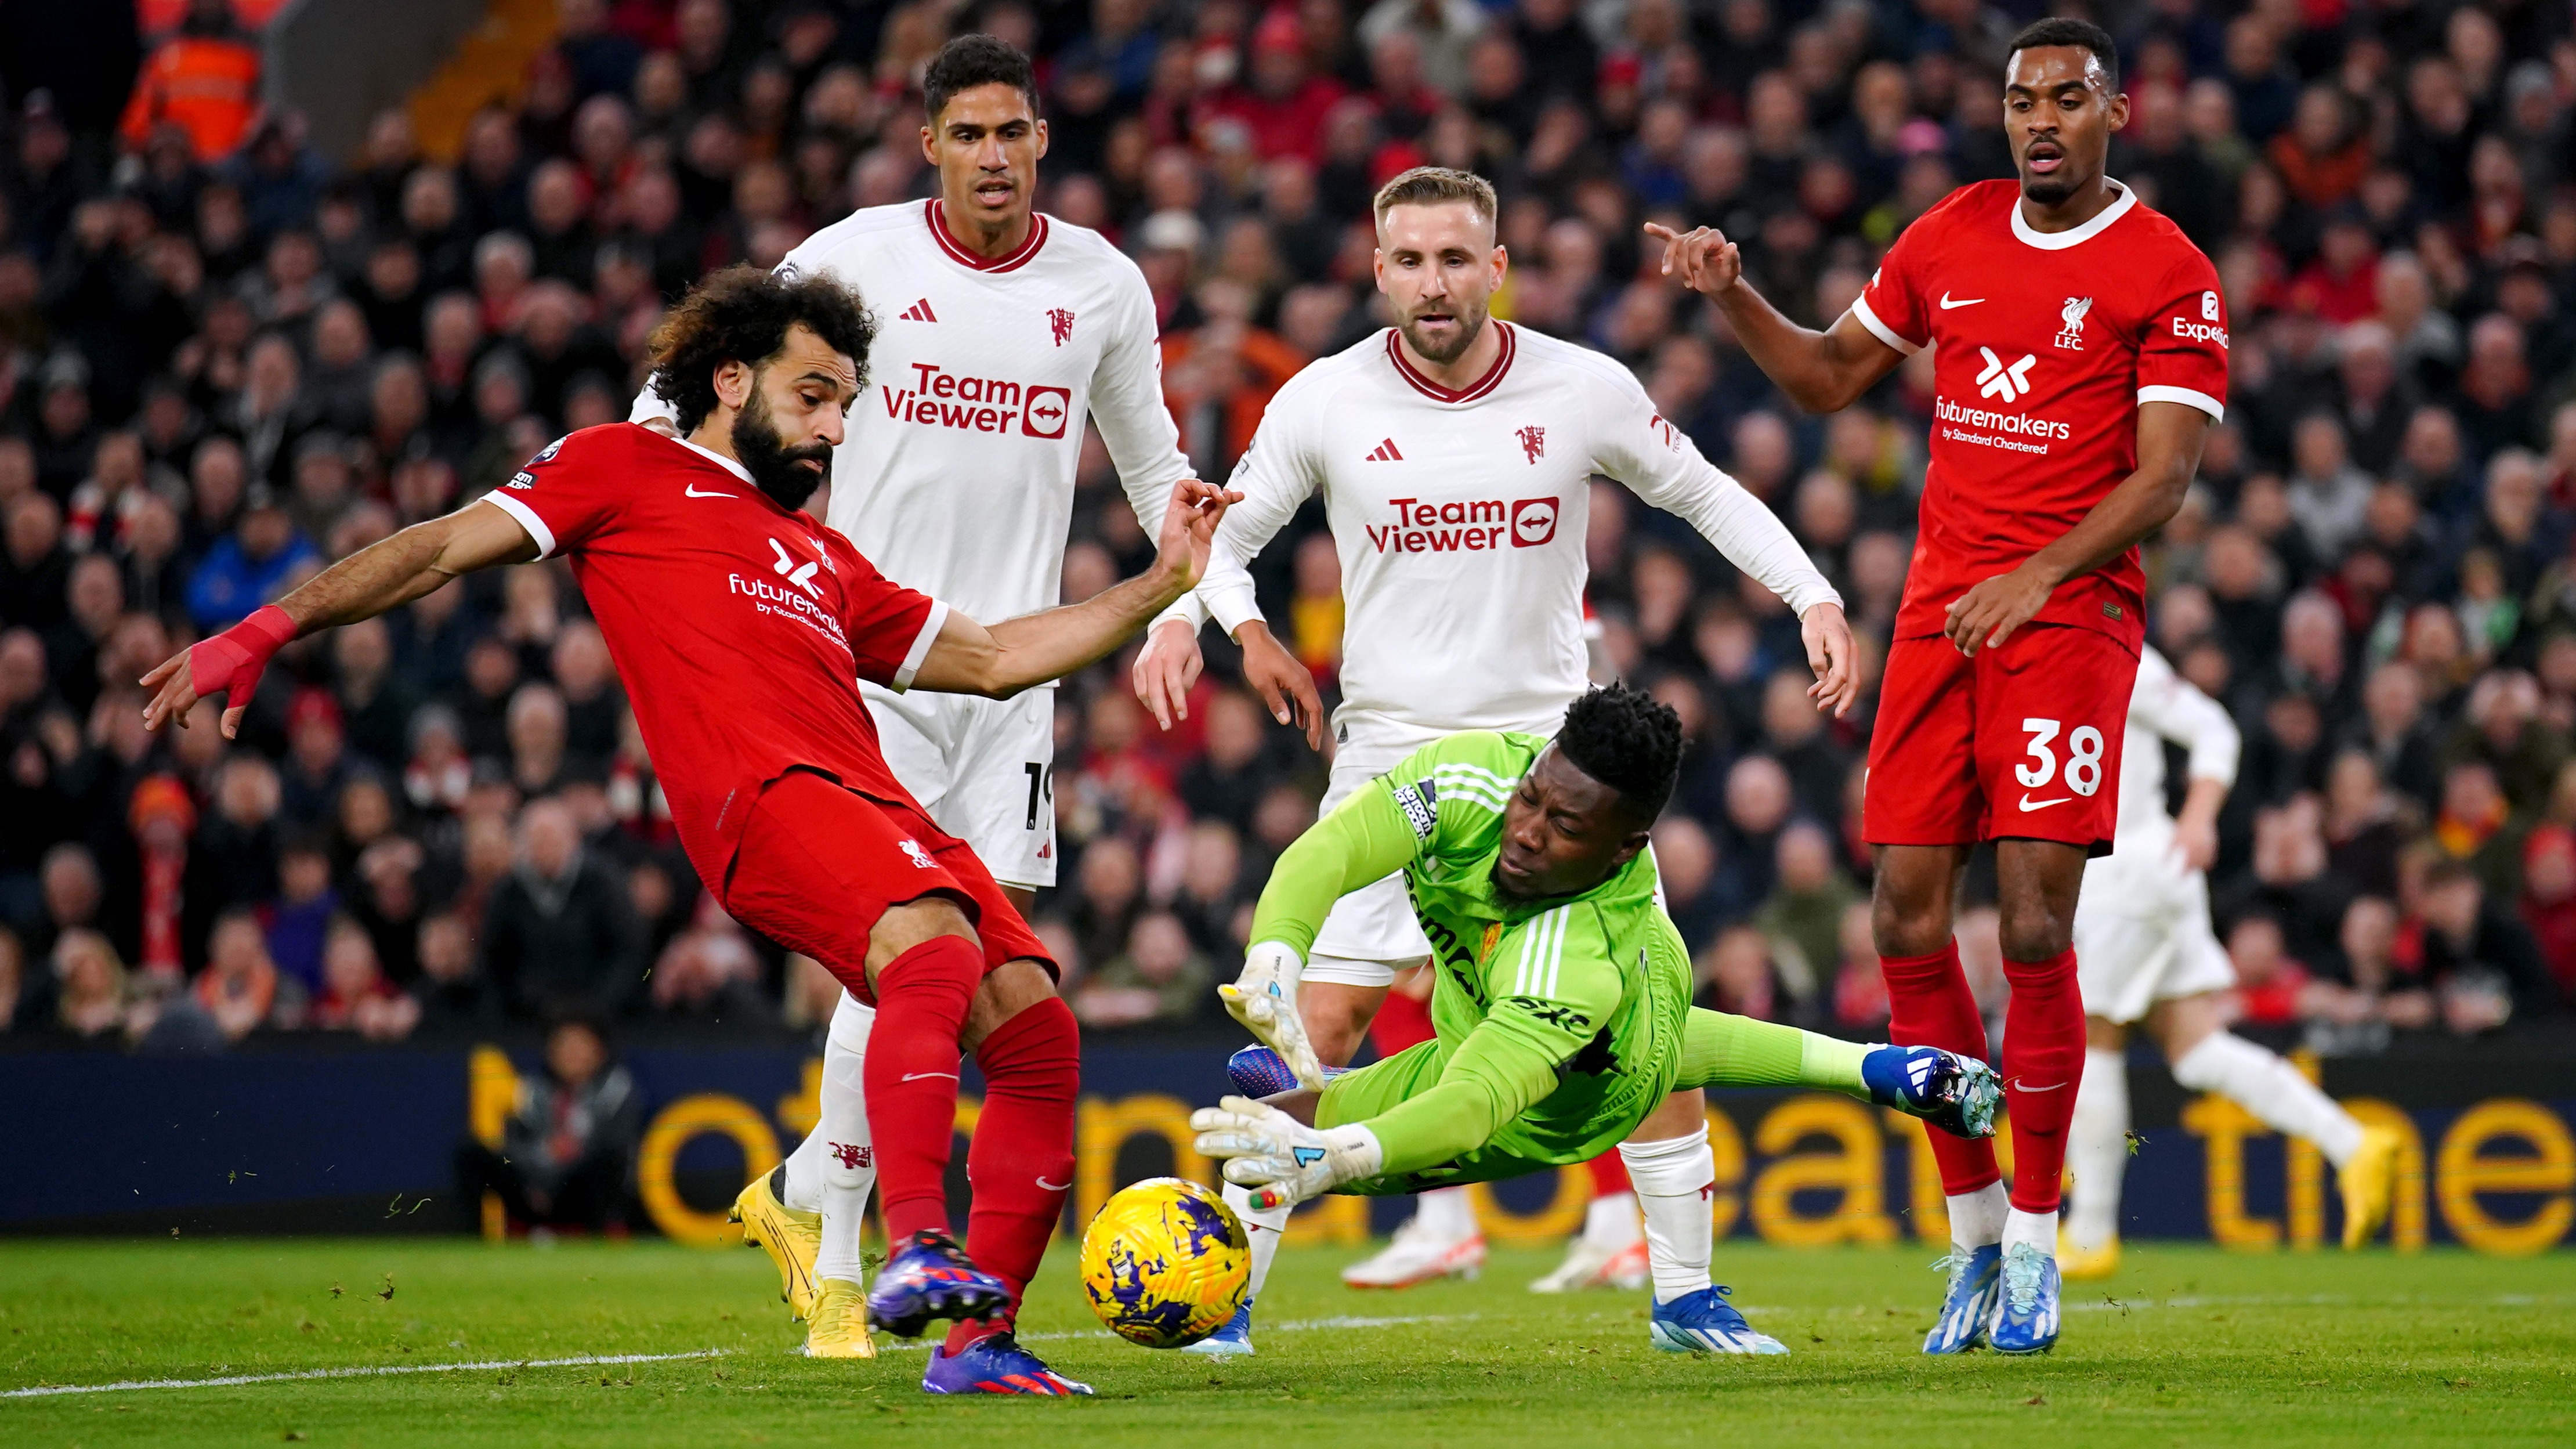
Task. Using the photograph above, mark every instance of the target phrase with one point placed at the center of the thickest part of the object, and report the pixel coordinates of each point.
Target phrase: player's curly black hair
(742, 314)
(1628, 740)
(2081, 34)
(975, 60)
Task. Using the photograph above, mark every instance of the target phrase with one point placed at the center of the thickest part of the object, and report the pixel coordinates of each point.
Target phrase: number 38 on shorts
(2021, 742)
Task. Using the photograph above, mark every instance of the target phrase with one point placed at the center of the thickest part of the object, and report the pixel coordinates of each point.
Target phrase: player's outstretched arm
(1821, 372)
(1000, 660)
(381, 576)
(2170, 435)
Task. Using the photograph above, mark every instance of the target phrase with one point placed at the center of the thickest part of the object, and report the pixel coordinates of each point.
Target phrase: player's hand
(1189, 531)
(230, 663)
(1702, 257)
(1987, 615)
(1284, 1161)
(1829, 653)
(1167, 669)
(2195, 841)
(1285, 685)
(1264, 999)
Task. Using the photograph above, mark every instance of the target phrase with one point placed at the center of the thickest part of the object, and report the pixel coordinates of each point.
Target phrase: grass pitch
(2187, 1346)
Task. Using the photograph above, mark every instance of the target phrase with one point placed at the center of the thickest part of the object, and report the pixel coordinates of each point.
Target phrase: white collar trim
(2058, 241)
(719, 459)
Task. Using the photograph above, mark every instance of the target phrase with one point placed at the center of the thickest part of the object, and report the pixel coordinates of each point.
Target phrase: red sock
(911, 1078)
(1929, 1004)
(1021, 1161)
(2043, 1065)
(1402, 1022)
(1609, 1174)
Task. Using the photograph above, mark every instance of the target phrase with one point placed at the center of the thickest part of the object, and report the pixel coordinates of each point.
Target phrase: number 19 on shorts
(2083, 768)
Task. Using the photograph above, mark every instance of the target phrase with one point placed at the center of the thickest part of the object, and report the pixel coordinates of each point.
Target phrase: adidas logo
(919, 312)
(1385, 453)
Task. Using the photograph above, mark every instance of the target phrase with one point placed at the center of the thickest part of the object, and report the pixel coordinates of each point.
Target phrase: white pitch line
(378, 1371)
(1292, 1326)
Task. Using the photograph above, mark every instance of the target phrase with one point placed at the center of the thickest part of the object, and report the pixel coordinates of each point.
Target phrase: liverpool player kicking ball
(2081, 354)
(743, 628)
(1561, 1007)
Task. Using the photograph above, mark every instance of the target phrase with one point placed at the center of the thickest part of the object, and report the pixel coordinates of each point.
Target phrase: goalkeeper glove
(1264, 999)
(1282, 1160)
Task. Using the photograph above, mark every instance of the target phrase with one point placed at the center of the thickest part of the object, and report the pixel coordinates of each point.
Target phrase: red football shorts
(818, 864)
(2021, 742)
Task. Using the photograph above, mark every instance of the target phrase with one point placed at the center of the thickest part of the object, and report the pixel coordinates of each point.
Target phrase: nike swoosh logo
(917, 1076)
(2028, 803)
(1947, 304)
(2018, 1085)
(1052, 1186)
(692, 491)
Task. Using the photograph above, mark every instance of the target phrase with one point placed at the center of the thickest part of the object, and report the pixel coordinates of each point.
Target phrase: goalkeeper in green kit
(1562, 1000)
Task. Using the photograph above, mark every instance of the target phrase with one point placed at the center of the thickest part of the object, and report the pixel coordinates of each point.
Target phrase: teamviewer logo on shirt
(2005, 384)
(1048, 410)
(1533, 522)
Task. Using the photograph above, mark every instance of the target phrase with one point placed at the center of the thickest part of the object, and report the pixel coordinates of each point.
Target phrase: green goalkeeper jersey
(1558, 1021)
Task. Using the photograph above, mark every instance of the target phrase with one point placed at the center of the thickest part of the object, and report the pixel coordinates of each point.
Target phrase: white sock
(1263, 1229)
(2037, 1229)
(2097, 1148)
(839, 1154)
(2272, 1090)
(1611, 1221)
(1445, 1213)
(1977, 1218)
(1672, 1179)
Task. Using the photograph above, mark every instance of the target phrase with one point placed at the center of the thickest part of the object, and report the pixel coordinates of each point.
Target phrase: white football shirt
(1460, 519)
(2141, 875)
(956, 475)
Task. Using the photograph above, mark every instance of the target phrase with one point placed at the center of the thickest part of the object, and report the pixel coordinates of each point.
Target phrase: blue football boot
(1234, 1339)
(928, 1278)
(1957, 1094)
(1968, 1304)
(2027, 1320)
(1704, 1322)
(1257, 1072)
(995, 1365)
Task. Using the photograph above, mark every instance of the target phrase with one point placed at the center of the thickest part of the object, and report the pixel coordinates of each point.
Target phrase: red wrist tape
(231, 662)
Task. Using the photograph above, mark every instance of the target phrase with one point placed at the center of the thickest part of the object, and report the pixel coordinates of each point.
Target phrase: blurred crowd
(227, 358)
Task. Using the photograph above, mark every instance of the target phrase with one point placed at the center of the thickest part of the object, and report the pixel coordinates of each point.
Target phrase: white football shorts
(983, 768)
(2126, 962)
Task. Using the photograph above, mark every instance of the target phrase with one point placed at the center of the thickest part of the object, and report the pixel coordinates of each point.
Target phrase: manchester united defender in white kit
(1454, 455)
(998, 329)
(2145, 952)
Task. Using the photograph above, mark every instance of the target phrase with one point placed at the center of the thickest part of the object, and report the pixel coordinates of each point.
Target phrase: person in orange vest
(204, 80)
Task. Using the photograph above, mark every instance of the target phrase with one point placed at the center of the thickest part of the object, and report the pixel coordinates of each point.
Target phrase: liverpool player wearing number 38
(2080, 355)
(742, 628)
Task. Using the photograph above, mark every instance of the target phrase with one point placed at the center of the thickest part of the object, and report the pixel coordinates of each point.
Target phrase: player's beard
(775, 468)
(1471, 324)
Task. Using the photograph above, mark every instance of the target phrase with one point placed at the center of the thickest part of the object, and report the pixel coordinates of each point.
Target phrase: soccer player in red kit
(2080, 355)
(742, 628)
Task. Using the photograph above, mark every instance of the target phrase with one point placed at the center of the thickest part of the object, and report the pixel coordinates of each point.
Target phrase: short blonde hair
(1432, 185)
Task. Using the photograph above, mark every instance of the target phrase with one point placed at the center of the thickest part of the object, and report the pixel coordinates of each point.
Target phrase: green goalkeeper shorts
(1373, 1089)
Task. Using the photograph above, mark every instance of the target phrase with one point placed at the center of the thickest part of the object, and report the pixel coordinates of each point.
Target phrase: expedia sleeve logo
(1420, 802)
(1556, 1014)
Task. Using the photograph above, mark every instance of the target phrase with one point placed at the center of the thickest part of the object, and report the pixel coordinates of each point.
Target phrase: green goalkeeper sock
(1719, 1050)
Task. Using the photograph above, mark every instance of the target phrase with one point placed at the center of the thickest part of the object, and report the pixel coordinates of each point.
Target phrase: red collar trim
(1492, 379)
(937, 216)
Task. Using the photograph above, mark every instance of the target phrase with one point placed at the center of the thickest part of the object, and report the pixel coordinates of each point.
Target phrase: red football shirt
(2043, 346)
(740, 629)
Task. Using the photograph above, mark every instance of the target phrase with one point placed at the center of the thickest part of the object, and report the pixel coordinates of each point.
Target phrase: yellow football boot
(2369, 1183)
(839, 1327)
(791, 1238)
(2089, 1264)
